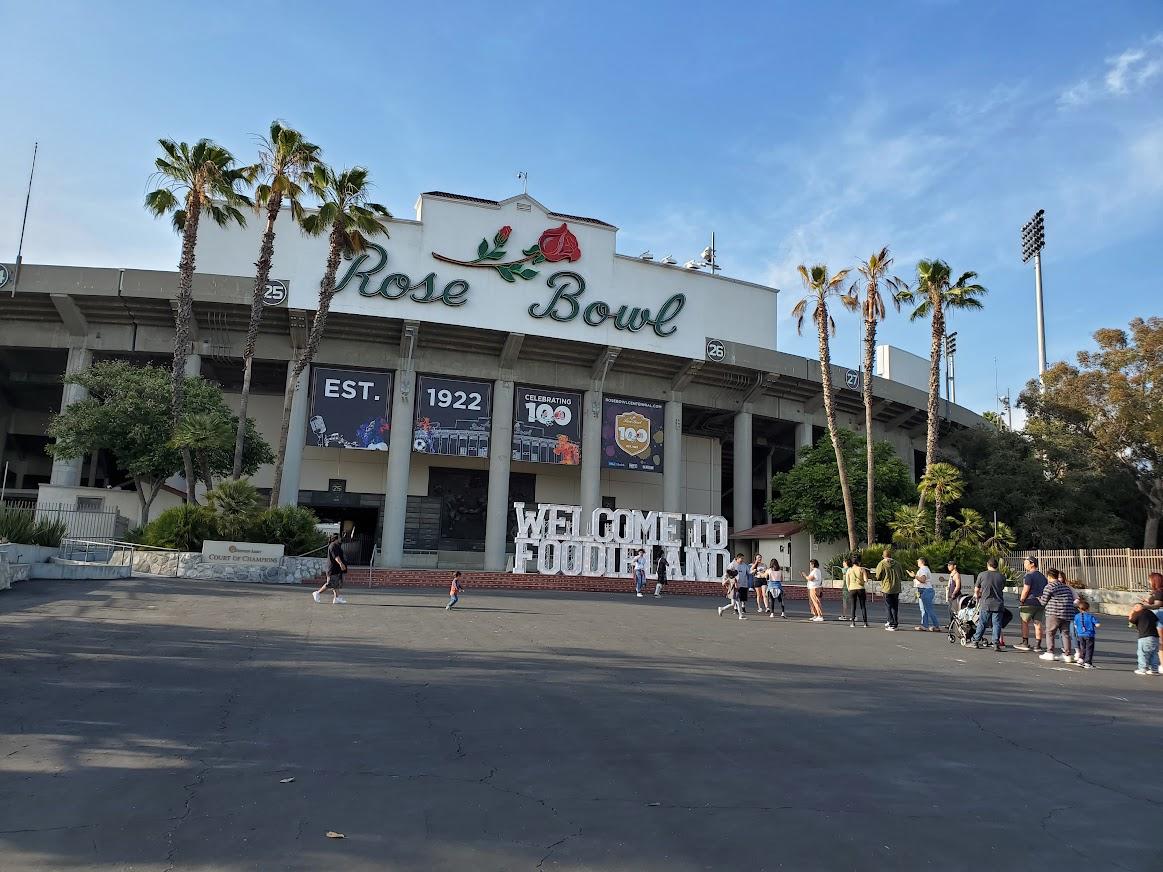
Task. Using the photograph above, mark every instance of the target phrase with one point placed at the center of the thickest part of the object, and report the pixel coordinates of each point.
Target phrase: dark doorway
(463, 496)
(358, 527)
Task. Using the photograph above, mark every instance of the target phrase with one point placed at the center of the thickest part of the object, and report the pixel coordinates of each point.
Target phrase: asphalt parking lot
(153, 724)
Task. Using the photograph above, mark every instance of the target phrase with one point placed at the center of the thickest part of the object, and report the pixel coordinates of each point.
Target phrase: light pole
(1033, 241)
(951, 366)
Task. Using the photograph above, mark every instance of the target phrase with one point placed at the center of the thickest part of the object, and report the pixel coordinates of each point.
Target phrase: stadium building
(482, 354)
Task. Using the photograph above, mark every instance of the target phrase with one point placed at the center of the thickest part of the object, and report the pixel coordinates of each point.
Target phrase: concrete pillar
(767, 473)
(296, 435)
(399, 465)
(500, 454)
(672, 468)
(803, 437)
(742, 471)
(194, 366)
(5, 423)
(67, 473)
(591, 454)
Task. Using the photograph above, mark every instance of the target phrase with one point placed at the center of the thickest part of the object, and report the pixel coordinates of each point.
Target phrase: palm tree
(873, 273)
(944, 483)
(1002, 542)
(968, 528)
(349, 218)
(821, 287)
(284, 160)
(193, 179)
(910, 526)
(936, 293)
(201, 433)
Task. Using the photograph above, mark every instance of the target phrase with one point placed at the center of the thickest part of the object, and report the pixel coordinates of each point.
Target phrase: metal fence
(98, 524)
(1100, 568)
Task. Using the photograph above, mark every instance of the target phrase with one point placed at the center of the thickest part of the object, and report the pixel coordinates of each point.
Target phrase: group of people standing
(890, 577)
(766, 579)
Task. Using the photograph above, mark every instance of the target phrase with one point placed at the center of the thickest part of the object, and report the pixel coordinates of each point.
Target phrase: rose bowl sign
(555, 538)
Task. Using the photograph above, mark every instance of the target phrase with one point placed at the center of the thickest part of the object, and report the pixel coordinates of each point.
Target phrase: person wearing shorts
(336, 567)
(743, 574)
(815, 580)
(759, 582)
(1029, 609)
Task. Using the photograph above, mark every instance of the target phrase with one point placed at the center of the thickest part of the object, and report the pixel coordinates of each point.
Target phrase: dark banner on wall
(547, 425)
(632, 434)
(350, 408)
(453, 416)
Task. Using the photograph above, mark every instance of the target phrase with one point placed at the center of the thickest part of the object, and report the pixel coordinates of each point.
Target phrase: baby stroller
(963, 620)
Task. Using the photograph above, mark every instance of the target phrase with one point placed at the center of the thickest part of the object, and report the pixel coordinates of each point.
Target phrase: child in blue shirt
(1084, 627)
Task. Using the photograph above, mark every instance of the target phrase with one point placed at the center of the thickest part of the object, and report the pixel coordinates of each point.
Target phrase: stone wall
(190, 564)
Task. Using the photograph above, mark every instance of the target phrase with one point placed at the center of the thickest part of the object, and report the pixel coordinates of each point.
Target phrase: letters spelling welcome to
(552, 538)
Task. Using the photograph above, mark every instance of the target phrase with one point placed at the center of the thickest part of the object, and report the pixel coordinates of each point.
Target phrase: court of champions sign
(552, 539)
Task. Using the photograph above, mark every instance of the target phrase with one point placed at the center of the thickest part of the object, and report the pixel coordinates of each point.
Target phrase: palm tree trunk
(262, 275)
(830, 413)
(938, 517)
(869, 346)
(204, 465)
(934, 388)
(183, 312)
(318, 325)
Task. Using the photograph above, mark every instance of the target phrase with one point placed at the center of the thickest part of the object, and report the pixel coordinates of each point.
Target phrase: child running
(731, 589)
(1084, 627)
(454, 591)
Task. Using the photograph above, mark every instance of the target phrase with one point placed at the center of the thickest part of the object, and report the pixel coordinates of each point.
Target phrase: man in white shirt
(640, 571)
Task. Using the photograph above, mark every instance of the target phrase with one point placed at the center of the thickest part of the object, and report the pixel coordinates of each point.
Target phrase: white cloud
(1128, 72)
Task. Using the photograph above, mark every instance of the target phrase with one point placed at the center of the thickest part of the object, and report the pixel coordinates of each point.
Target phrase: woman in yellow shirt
(854, 581)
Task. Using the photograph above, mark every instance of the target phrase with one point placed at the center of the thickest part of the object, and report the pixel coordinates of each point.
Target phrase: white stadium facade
(484, 354)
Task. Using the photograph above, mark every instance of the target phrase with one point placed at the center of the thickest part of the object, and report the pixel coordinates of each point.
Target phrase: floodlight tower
(1033, 241)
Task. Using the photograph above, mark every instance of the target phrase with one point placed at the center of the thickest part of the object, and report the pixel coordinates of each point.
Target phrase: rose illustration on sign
(555, 244)
(632, 433)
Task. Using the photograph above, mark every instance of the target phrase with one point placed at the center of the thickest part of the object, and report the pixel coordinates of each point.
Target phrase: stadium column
(672, 468)
(803, 436)
(296, 437)
(399, 465)
(500, 453)
(591, 454)
(67, 473)
(741, 477)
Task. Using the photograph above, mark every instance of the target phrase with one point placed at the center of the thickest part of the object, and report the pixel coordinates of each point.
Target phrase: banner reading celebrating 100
(547, 425)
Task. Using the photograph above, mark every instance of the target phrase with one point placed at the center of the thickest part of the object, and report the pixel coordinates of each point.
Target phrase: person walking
(640, 571)
(759, 583)
(1146, 624)
(891, 575)
(660, 570)
(990, 593)
(454, 591)
(731, 589)
(854, 580)
(743, 581)
(775, 588)
(1058, 599)
(815, 580)
(1085, 626)
(953, 591)
(1029, 608)
(923, 584)
(336, 568)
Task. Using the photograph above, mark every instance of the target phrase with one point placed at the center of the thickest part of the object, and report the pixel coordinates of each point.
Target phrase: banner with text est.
(350, 408)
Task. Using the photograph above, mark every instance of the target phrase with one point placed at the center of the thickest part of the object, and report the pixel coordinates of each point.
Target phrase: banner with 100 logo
(632, 434)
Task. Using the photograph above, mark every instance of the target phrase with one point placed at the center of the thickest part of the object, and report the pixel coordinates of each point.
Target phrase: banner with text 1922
(453, 416)
(350, 408)
(547, 425)
(632, 434)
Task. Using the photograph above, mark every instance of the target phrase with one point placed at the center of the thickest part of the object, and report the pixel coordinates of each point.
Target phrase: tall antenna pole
(24, 221)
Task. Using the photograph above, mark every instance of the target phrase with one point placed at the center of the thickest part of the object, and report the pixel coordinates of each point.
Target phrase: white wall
(902, 367)
(126, 502)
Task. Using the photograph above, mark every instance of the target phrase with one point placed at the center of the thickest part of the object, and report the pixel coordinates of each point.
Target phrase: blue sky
(798, 132)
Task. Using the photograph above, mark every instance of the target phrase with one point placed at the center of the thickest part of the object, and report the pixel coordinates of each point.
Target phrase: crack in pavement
(1082, 776)
(549, 849)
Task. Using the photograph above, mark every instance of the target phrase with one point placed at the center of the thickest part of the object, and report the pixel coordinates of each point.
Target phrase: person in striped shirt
(1058, 598)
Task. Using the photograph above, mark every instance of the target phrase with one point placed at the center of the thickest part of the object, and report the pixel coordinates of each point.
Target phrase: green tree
(203, 433)
(935, 294)
(873, 275)
(969, 528)
(348, 218)
(197, 179)
(128, 413)
(821, 287)
(285, 159)
(810, 493)
(1111, 404)
(910, 526)
(943, 484)
(1001, 540)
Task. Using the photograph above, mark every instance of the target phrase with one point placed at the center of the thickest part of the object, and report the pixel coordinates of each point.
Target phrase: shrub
(235, 505)
(182, 527)
(23, 527)
(292, 526)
